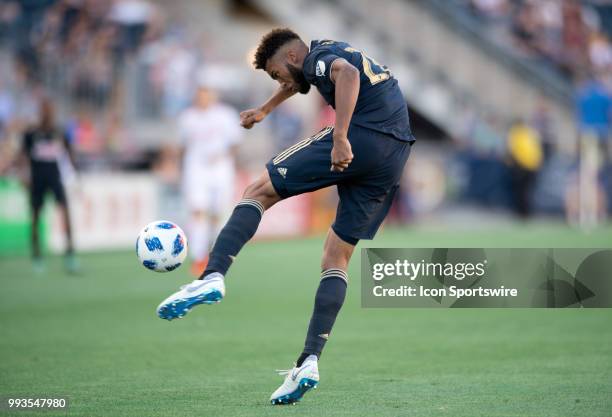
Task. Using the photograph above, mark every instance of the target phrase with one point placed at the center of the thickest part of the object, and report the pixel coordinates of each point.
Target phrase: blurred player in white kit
(209, 132)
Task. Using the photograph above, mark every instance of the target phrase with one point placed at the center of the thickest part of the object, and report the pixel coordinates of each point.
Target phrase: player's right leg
(239, 229)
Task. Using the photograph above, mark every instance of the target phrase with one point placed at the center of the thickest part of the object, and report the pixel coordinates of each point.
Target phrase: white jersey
(208, 135)
(208, 167)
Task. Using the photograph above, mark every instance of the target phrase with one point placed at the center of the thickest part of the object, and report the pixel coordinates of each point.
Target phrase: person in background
(594, 112)
(525, 148)
(209, 132)
(45, 149)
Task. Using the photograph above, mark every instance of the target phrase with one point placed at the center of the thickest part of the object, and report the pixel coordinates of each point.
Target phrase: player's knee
(263, 191)
(334, 258)
(336, 252)
(256, 190)
(251, 190)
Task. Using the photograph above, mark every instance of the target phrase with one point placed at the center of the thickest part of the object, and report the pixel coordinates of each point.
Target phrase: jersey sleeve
(317, 67)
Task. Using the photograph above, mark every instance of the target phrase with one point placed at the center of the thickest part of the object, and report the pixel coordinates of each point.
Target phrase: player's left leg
(329, 299)
(259, 196)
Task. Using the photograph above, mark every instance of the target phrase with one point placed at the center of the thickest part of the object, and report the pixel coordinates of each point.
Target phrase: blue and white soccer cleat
(298, 382)
(208, 291)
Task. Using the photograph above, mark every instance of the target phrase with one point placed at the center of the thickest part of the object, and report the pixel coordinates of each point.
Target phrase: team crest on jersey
(282, 171)
(320, 68)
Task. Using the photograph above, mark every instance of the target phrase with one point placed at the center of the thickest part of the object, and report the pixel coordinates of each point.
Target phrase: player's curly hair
(270, 43)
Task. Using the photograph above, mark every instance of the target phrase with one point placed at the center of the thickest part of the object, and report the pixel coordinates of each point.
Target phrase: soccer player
(45, 147)
(209, 132)
(363, 154)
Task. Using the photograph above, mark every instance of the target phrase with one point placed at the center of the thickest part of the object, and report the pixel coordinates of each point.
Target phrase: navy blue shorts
(41, 185)
(366, 188)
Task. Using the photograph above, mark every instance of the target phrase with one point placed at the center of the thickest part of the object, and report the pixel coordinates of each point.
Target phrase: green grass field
(96, 339)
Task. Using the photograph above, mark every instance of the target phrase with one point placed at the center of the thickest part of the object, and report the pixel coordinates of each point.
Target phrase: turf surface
(96, 339)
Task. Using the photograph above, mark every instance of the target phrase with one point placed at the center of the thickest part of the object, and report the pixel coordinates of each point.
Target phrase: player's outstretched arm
(249, 117)
(346, 78)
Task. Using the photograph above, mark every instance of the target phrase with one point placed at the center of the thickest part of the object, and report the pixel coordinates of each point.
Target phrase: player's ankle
(305, 356)
(210, 275)
(207, 272)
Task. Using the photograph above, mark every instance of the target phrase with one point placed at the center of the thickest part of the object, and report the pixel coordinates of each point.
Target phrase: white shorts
(211, 191)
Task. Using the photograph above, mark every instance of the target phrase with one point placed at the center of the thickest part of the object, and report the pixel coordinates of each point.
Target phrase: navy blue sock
(238, 230)
(328, 301)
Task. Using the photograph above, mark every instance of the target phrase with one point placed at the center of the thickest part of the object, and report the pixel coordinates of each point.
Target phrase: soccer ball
(161, 246)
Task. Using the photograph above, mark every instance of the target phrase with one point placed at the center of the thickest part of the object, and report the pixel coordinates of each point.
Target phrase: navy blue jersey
(380, 105)
(44, 148)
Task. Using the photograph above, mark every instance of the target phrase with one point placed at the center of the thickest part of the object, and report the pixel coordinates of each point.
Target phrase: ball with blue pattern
(161, 246)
